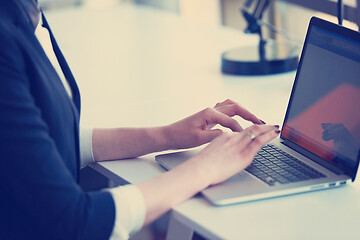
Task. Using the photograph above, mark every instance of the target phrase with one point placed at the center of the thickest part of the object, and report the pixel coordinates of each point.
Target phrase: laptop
(319, 144)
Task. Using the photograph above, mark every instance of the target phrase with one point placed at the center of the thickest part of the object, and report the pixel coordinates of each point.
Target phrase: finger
(235, 109)
(255, 145)
(214, 117)
(247, 116)
(226, 102)
(209, 135)
(251, 133)
(260, 129)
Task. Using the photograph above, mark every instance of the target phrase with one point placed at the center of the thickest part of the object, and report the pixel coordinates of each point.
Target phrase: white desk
(143, 67)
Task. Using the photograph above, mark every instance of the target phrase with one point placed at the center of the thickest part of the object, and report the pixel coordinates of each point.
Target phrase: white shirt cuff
(86, 151)
(130, 211)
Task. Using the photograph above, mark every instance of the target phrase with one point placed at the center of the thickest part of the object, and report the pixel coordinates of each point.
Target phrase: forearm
(120, 143)
(171, 188)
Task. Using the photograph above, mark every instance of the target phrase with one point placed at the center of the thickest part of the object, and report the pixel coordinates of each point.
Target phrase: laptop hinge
(312, 156)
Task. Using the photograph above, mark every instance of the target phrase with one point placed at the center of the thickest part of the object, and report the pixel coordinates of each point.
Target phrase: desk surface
(137, 66)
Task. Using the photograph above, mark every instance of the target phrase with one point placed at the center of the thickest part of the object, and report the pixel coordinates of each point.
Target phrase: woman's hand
(196, 129)
(120, 143)
(231, 153)
(227, 155)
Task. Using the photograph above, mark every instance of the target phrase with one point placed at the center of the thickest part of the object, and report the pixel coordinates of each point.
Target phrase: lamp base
(267, 58)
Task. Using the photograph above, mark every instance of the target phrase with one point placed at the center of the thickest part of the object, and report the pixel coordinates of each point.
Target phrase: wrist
(162, 137)
(198, 172)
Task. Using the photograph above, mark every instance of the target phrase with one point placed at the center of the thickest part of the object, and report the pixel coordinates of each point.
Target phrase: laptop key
(282, 180)
(270, 181)
(273, 165)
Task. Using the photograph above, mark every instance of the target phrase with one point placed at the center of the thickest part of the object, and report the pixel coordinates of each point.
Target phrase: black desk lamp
(269, 57)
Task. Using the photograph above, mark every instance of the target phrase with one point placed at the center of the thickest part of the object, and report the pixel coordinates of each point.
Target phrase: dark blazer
(39, 144)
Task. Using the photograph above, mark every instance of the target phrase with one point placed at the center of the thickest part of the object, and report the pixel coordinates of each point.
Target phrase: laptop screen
(323, 116)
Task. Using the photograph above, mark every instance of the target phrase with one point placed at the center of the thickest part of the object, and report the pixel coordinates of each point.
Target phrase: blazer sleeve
(39, 197)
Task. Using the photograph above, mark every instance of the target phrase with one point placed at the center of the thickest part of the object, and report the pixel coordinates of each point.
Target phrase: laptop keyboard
(272, 165)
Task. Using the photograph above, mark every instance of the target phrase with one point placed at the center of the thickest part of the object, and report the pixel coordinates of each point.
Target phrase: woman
(41, 154)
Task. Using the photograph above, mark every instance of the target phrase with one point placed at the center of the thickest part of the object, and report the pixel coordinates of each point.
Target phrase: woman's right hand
(231, 153)
(226, 155)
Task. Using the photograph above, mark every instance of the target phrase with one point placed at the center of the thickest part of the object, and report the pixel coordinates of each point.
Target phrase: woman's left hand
(196, 129)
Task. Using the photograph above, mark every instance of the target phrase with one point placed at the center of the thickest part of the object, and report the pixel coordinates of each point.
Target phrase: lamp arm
(253, 18)
(261, 6)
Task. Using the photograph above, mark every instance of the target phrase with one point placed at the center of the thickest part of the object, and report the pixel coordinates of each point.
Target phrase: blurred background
(288, 17)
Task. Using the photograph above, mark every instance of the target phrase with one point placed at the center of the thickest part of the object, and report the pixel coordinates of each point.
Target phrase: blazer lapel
(64, 66)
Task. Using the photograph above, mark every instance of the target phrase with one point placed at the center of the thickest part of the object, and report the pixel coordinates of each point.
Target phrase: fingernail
(262, 121)
(277, 126)
(277, 131)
